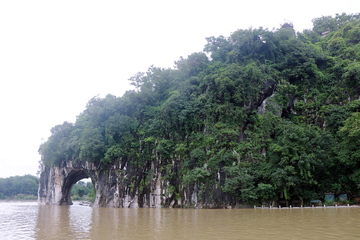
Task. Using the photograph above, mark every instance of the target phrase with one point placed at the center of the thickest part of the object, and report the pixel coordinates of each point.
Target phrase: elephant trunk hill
(258, 118)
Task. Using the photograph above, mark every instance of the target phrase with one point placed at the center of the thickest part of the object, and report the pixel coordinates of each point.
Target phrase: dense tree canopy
(204, 114)
(13, 186)
(80, 189)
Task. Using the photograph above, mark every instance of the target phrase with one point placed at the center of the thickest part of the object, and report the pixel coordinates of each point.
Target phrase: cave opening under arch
(73, 177)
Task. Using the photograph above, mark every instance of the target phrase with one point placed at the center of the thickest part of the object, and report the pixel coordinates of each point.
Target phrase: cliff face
(191, 136)
(128, 184)
(56, 182)
(112, 191)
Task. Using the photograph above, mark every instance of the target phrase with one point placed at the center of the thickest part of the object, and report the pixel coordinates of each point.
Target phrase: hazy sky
(57, 55)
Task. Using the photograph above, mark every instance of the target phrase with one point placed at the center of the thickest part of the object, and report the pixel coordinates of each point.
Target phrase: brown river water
(27, 220)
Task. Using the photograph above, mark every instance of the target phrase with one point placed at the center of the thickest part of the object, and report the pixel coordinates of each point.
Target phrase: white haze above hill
(57, 55)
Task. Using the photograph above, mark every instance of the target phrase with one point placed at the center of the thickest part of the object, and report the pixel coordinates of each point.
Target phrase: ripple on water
(27, 220)
(17, 220)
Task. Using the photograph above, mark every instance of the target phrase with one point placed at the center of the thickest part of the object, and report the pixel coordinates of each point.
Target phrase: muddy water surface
(27, 220)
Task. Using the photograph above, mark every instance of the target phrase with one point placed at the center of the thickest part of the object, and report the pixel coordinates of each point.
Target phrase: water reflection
(32, 221)
(17, 220)
(77, 222)
(63, 222)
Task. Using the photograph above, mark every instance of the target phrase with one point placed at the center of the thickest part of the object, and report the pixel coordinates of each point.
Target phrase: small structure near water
(85, 203)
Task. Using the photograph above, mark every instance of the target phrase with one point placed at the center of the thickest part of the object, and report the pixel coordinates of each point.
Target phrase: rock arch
(73, 177)
(115, 186)
(56, 182)
(111, 190)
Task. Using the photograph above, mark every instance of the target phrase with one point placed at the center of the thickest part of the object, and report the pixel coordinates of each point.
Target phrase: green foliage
(80, 189)
(265, 192)
(336, 115)
(91, 196)
(25, 197)
(197, 174)
(198, 123)
(26, 185)
(240, 182)
(330, 203)
(351, 141)
(299, 155)
(352, 75)
(56, 148)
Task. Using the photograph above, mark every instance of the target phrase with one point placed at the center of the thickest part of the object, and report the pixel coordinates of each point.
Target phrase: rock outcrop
(128, 184)
(56, 182)
(113, 188)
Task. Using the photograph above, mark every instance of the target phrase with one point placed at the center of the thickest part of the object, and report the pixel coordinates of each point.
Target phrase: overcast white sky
(56, 55)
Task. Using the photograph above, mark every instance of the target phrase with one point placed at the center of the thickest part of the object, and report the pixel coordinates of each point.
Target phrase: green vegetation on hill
(82, 191)
(19, 187)
(201, 119)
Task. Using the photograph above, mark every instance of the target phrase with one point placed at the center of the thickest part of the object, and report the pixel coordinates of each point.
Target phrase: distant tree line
(82, 189)
(19, 187)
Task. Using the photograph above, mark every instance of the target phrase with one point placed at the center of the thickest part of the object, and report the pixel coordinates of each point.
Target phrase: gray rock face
(269, 105)
(56, 182)
(113, 189)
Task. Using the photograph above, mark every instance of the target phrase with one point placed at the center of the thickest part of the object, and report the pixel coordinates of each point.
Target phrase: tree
(81, 188)
(351, 138)
(27, 185)
(352, 76)
(323, 24)
(298, 156)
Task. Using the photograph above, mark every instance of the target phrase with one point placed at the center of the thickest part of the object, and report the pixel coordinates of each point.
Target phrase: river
(28, 220)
